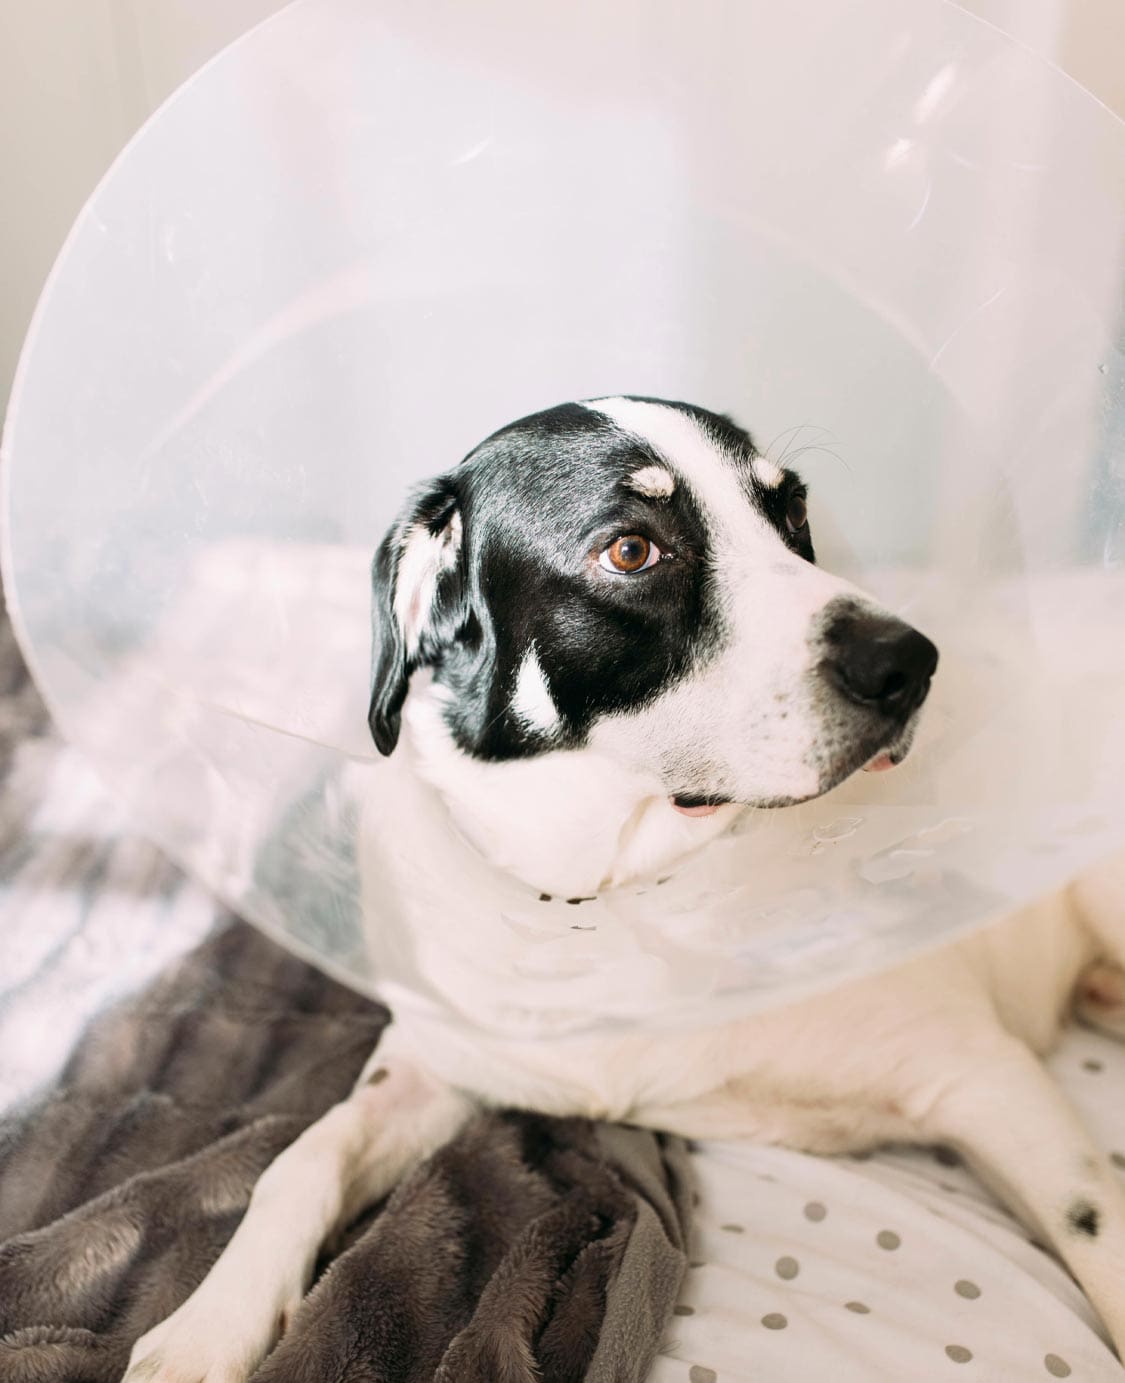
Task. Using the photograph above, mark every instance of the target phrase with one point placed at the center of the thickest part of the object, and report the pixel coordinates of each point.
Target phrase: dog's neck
(570, 823)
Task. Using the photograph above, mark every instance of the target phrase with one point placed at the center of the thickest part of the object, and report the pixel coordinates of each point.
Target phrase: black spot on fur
(1083, 1218)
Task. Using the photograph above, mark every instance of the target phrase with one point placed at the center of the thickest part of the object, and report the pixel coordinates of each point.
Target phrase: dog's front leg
(353, 1156)
(1003, 1110)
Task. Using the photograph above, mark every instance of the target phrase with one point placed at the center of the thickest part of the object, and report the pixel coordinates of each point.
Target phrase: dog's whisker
(791, 450)
(819, 447)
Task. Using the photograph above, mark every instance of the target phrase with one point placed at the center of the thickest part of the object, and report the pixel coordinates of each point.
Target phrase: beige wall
(1086, 38)
(77, 77)
(1092, 48)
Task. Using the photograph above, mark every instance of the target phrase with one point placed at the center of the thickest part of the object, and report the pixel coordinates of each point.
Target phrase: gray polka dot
(1118, 1159)
(683, 1310)
(887, 1239)
(787, 1268)
(733, 1229)
(1091, 1064)
(1056, 1367)
(964, 1288)
(774, 1321)
(815, 1211)
(858, 1307)
(959, 1354)
(946, 1157)
(699, 1374)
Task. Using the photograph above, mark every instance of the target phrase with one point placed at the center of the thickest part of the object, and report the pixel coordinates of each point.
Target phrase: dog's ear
(414, 570)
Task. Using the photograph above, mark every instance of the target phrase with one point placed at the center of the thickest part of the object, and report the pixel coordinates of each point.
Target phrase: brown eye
(629, 554)
(797, 514)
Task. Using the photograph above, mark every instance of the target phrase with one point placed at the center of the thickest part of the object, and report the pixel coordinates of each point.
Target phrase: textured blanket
(156, 1055)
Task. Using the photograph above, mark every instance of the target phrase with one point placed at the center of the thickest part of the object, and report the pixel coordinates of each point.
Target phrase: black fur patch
(1084, 1218)
(539, 500)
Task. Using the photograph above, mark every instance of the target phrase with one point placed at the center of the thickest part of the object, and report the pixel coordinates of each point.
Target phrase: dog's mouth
(890, 756)
(692, 804)
(881, 762)
(895, 752)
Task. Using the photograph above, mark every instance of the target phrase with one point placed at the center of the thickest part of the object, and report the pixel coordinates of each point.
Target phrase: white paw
(208, 1341)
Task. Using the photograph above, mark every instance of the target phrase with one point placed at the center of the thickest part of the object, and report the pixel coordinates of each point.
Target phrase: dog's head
(631, 575)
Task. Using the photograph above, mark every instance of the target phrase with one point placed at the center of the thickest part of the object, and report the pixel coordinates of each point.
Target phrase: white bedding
(895, 1267)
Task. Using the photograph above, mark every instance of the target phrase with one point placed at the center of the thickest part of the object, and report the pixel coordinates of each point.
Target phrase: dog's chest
(493, 988)
(443, 924)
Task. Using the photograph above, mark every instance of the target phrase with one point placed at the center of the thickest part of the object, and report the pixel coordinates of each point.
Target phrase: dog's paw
(208, 1342)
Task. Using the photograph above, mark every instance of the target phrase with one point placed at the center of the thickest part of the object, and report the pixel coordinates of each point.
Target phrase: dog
(599, 640)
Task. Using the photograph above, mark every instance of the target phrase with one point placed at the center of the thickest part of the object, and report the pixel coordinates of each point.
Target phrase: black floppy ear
(415, 561)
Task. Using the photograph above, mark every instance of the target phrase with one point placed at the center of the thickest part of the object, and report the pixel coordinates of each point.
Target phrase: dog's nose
(878, 661)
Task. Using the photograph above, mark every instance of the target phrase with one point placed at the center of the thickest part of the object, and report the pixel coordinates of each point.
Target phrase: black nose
(876, 660)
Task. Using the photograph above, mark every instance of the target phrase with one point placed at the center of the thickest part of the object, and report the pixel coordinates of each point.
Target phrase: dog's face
(630, 575)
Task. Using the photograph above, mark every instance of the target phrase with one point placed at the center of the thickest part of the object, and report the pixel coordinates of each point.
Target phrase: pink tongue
(705, 810)
(879, 764)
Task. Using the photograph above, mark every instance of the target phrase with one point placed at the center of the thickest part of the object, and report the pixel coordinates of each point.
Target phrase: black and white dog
(599, 640)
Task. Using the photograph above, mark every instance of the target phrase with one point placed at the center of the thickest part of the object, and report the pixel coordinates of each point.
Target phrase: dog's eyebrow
(654, 482)
(767, 473)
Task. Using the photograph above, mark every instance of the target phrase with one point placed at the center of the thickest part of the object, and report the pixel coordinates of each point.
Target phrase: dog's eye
(630, 554)
(797, 514)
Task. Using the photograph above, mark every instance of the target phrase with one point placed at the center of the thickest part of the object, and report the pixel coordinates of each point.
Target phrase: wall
(1086, 38)
(77, 78)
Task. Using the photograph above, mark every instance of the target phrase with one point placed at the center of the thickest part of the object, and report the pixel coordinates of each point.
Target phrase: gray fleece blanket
(149, 1081)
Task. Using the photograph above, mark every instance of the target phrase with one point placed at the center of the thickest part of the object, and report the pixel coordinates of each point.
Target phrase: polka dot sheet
(895, 1266)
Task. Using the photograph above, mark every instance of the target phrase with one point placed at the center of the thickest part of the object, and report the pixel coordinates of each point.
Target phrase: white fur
(752, 713)
(653, 481)
(570, 823)
(423, 558)
(767, 473)
(532, 700)
(687, 451)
